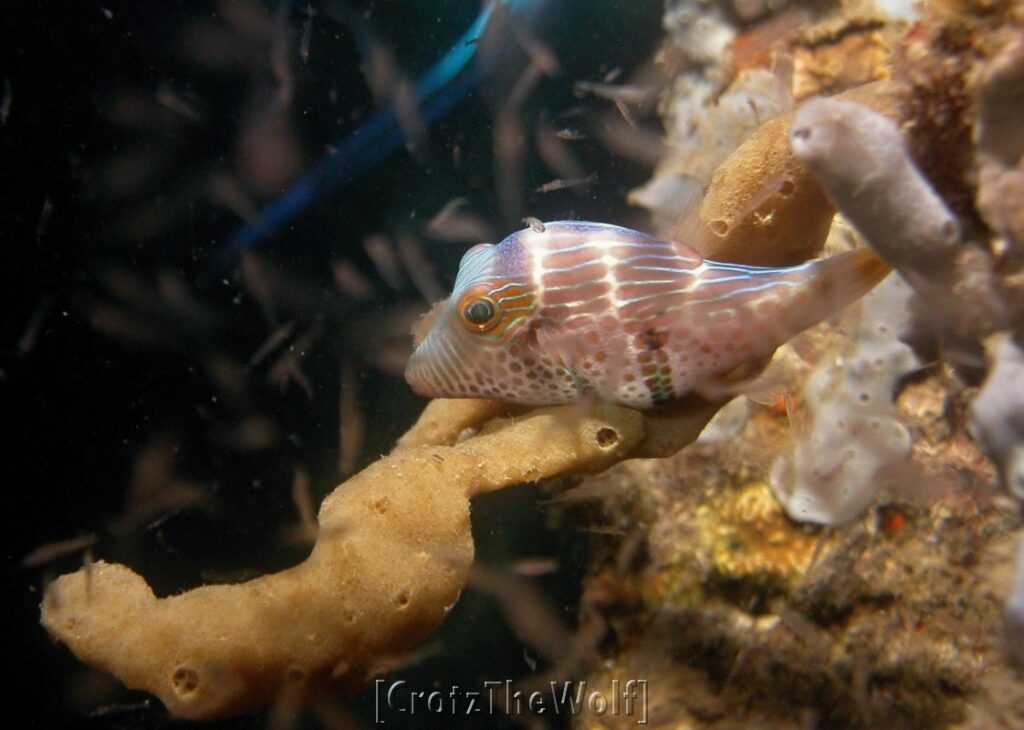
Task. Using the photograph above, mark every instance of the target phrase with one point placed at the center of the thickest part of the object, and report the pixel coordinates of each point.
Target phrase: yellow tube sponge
(763, 207)
(392, 555)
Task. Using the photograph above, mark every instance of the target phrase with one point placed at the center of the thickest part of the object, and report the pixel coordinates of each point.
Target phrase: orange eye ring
(479, 312)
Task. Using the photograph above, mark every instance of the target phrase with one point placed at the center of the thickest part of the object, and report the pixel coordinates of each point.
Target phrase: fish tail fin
(817, 290)
(846, 277)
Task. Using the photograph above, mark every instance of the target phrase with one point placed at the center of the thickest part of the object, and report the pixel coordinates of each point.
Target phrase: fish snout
(421, 376)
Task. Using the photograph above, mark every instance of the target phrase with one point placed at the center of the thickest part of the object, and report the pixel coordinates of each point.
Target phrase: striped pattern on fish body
(570, 310)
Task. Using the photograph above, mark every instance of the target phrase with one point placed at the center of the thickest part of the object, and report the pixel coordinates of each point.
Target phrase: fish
(569, 310)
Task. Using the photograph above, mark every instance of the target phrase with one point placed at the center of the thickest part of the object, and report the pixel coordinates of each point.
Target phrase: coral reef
(1001, 145)
(762, 206)
(965, 110)
(726, 116)
(742, 617)
(848, 53)
(892, 616)
(405, 516)
(764, 579)
(1013, 614)
(840, 458)
(860, 158)
(997, 414)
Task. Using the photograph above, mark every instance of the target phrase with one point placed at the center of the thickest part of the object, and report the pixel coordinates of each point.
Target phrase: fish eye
(480, 312)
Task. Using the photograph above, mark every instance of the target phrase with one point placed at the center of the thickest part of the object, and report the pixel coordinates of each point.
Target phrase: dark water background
(125, 361)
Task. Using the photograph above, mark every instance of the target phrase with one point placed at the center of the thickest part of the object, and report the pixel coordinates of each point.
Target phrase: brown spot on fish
(654, 339)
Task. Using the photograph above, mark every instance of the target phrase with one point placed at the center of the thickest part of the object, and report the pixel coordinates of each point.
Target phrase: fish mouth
(419, 376)
(441, 366)
(434, 366)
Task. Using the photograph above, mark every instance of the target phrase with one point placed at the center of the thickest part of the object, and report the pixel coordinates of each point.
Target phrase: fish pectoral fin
(558, 347)
(555, 346)
(737, 381)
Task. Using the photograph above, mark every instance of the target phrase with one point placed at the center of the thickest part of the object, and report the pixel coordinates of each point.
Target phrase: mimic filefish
(569, 310)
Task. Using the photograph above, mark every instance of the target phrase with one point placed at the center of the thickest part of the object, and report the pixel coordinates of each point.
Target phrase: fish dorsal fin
(677, 206)
(473, 264)
(687, 225)
(674, 199)
(687, 252)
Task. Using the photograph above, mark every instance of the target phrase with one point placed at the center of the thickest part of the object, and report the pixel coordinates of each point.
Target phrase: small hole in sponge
(186, 680)
(381, 505)
(719, 227)
(402, 599)
(607, 437)
(786, 188)
(295, 675)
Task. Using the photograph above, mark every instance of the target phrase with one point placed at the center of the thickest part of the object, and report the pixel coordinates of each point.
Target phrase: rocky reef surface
(837, 550)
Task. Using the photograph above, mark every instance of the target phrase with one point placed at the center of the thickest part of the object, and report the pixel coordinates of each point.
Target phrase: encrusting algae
(883, 610)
